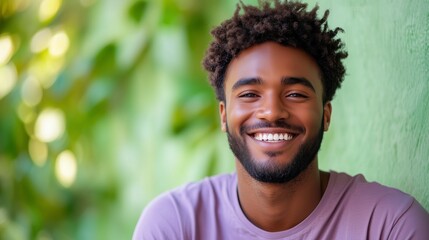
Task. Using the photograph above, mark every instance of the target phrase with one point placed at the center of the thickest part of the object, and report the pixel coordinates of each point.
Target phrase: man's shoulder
(358, 187)
(165, 216)
(178, 211)
(212, 187)
(207, 187)
(370, 194)
(378, 205)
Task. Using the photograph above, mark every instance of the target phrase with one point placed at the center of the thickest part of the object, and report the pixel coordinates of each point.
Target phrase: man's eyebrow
(247, 81)
(298, 80)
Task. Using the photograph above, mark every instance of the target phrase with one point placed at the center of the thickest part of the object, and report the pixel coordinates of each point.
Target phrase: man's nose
(272, 109)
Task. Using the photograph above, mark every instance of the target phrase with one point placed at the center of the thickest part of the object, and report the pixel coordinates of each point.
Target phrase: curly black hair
(288, 23)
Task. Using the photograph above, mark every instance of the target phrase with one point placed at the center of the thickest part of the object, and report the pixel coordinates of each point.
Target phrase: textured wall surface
(380, 124)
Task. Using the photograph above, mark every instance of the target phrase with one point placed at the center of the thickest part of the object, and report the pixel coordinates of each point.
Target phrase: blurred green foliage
(124, 79)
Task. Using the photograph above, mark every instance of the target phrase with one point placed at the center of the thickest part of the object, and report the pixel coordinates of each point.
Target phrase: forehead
(271, 61)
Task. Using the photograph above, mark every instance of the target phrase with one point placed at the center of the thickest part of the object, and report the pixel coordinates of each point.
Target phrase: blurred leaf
(105, 61)
(137, 10)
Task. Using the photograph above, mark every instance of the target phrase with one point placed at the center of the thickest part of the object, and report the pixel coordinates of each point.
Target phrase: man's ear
(327, 111)
(222, 114)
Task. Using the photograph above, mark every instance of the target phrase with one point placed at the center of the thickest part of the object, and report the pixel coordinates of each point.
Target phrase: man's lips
(272, 134)
(278, 132)
(269, 137)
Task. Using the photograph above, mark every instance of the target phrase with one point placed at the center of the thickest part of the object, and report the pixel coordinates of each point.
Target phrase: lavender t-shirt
(351, 208)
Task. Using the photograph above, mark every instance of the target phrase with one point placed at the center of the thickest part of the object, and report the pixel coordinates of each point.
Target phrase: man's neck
(278, 207)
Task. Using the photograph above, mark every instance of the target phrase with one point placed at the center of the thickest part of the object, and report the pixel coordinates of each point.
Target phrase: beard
(270, 171)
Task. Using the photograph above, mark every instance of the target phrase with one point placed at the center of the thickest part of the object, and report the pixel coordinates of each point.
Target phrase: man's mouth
(273, 137)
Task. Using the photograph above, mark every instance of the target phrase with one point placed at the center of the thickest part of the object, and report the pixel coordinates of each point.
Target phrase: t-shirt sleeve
(159, 220)
(413, 224)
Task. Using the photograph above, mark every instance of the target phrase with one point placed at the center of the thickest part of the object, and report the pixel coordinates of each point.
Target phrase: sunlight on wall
(45, 69)
(49, 125)
(38, 151)
(25, 113)
(6, 49)
(31, 91)
(48, 9)
(40, 40)
(8, 77)
(66, 168)
(8, 74)
(59, 44)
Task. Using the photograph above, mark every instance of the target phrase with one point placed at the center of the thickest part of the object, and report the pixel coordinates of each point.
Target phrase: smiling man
(275, 70)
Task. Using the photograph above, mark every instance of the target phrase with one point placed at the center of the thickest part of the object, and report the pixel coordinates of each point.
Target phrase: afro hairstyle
(288, 23)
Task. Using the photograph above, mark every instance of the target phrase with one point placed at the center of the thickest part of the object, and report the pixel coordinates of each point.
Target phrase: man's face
(273, 111)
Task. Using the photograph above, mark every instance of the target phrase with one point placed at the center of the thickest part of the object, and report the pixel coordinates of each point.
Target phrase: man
(275, 70)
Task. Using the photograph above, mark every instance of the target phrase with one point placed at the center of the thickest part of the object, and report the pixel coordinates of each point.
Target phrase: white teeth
(273, 137)
(276, 137)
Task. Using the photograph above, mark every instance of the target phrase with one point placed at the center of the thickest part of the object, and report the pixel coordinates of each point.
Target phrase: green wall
(380, 123)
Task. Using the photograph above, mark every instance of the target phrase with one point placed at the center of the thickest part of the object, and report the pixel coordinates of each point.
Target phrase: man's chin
(268, 171)
(272, 159)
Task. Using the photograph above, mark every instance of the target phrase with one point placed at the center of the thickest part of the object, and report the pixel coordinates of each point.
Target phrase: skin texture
(257, 98)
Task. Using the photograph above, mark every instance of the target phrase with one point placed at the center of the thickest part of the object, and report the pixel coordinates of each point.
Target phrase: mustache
(276, 124)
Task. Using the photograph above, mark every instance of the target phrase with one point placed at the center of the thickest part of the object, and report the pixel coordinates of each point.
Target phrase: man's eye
(296, 95)
(248, 95)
